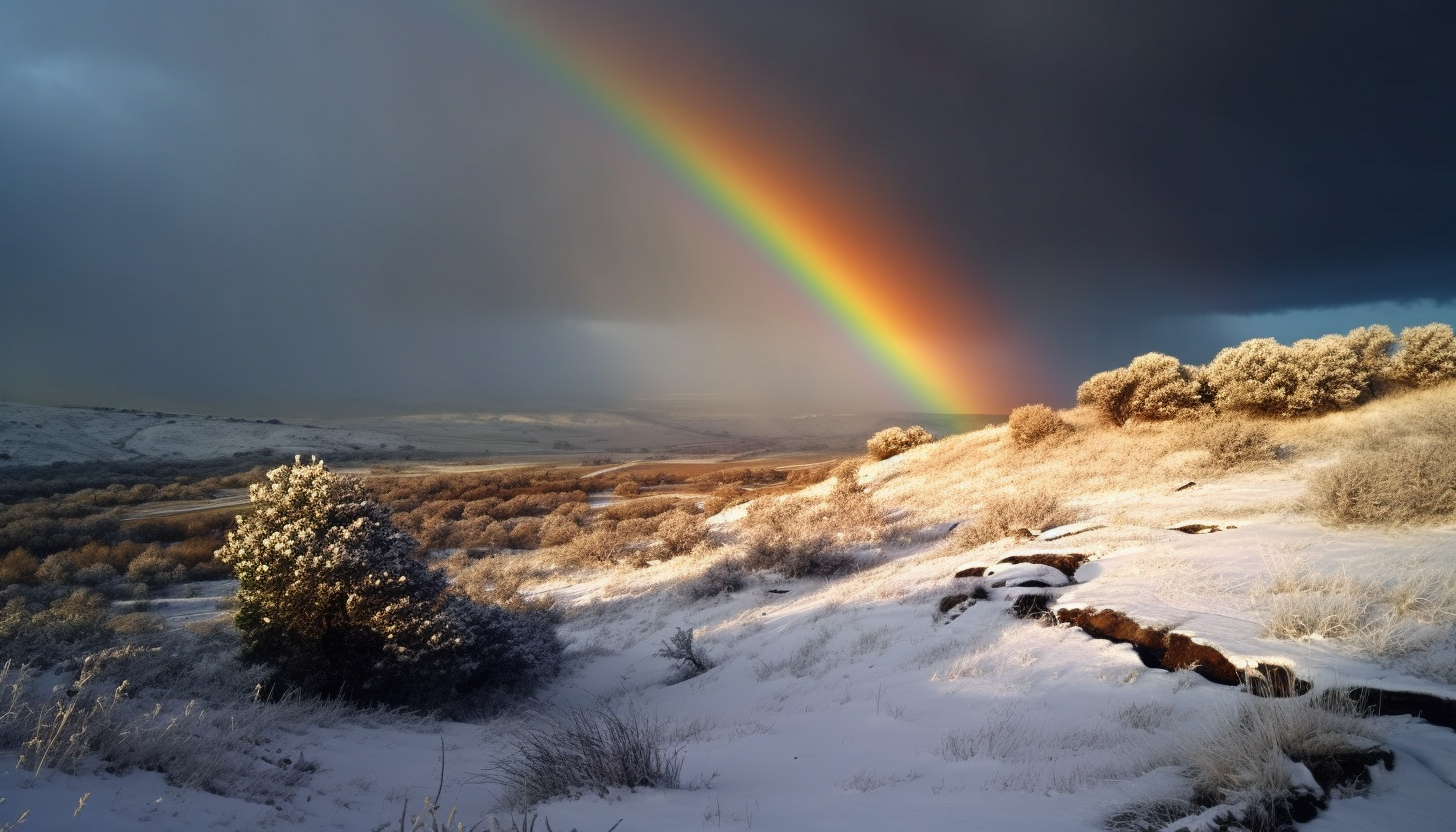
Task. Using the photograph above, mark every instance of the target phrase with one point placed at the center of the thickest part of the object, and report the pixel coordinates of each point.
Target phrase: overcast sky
(272, 207)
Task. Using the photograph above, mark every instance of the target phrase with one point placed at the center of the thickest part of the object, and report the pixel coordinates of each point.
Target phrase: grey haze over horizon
(266, 208)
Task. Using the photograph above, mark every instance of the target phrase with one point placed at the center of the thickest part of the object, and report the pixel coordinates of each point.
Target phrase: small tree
(330, 597)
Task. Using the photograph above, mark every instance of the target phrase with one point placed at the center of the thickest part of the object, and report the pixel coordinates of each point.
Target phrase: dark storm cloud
(1284, 151)
(211, 204)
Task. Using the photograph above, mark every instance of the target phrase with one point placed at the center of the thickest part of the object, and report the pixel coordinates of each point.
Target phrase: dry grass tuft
(587, 749)
(1378, 618)
(1244, 756)
(1409, 484)
(1006, 514)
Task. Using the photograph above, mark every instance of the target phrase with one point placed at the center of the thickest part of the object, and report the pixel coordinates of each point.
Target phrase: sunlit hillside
(1083, 626)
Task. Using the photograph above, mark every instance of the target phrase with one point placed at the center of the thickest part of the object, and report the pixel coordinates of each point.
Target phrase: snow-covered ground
(851, 704)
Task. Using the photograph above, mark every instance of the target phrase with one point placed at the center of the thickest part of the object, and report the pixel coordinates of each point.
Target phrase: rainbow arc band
(882, 296)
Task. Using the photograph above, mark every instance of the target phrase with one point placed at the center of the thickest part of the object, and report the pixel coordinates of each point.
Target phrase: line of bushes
(1262, 377)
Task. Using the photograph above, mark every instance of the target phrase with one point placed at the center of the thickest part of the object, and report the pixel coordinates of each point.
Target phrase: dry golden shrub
(1005, 514)
(799, 535)
(894, 441)
(1033, 423)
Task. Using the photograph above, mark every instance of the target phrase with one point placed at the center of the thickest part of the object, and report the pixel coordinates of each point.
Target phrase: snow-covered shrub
(1154, 387)
(587, 749)
(1033, 423)
(1427, 356)
(893, 441)
(1263, 377)
(330, 596)
(1411, 483)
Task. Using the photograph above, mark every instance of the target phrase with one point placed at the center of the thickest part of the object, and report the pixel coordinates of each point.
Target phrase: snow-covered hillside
(904, 697)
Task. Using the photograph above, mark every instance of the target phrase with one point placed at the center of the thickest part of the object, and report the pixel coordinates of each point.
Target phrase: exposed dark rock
(1066, 564)
(1197, 528)
(950, 602)
(971, 572)
(1185, 486)
(1033, 605)
(1347, 769)
(1433, 709)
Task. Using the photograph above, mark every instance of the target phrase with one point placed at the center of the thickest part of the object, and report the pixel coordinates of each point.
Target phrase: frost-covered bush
(680, 531)
(894, 441)
(1427, 356)
(1033, 423)
(1266, 378)
(1153, 387)
(331, 598)
(1372, 346)
(71, 625)
(724, 571)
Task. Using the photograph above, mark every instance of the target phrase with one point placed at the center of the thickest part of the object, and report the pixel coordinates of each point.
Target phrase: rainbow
(869, 276)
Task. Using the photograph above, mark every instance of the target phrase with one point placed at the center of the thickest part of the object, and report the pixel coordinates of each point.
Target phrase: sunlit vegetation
(1263, 378)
